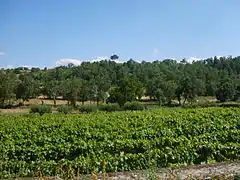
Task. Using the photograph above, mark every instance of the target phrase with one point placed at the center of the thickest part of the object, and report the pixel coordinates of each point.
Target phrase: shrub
(87, 108)
(200, 105)
(64, 109)
(109, 107)
(41, 109)
(133, 106)
(230, 105)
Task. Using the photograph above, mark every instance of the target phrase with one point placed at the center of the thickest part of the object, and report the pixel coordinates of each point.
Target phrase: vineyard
(121, 141)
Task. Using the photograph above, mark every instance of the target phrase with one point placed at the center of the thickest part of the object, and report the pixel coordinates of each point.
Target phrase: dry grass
(51, 102)
(15, 111)
(27, 105)
(46, 101)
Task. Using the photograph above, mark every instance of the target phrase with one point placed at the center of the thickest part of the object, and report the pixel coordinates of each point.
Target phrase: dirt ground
(217, 171)
(210, 171)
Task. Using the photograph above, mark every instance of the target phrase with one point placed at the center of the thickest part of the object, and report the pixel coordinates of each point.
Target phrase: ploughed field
(73, 144)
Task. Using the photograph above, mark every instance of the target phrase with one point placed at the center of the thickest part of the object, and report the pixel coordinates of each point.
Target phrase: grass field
(66, 145)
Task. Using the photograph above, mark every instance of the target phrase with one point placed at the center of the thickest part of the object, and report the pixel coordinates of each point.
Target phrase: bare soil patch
(217, 171)
(208, 171)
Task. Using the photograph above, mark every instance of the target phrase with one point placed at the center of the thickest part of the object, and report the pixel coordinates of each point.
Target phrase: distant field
(149, 104)
(47, 101)
(28, 104)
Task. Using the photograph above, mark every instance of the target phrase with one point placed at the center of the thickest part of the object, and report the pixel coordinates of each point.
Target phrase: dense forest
(111, 82)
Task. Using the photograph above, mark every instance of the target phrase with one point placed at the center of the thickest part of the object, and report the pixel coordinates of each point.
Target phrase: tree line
(111, 82)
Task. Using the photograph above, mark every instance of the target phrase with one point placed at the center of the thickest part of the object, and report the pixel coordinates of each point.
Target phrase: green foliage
(88, 108)
(133, 106)
(225, 90)
(52, 89)
(109, 107)
(64, 109)
(123, 140)
(41, 109)
(7, 87)
(27, 87)
(201, 105)
(114, 57)
(71, 88)
(128, 89)
(188, 88)
(162, 89)
(107, 80)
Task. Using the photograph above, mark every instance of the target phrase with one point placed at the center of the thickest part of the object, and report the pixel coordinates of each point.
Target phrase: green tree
(52, 89)
(225, 90)
(169, 91)
(27, 87)
(114, 57)
(71, 89)
(84, 91)
(163, 90)
(127, 90)
(188, 88)
(7, 88)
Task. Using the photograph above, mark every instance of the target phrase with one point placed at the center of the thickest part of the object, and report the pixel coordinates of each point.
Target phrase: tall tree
(52, 89)
(225, 90)
(188, 88)
(114, 57)
(27, 87)
(127, 90)
(7, 87)
(71, 89)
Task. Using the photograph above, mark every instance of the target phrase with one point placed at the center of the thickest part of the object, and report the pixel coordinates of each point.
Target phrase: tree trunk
(185, 99)
(159, 102)
(73, 102)
(3, 102)
(169, 102)
(179, 100)
(54, 101)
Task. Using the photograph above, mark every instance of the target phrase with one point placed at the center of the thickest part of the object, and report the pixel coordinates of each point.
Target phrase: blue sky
(46, 32)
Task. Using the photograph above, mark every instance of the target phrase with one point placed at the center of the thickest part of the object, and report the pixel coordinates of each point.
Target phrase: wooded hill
(108, 81)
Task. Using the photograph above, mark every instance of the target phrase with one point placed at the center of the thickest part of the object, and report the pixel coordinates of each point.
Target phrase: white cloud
(2, 53)
(156, 51)
(16, 66)
(100, 58)
(218, 57)
(29, 67)
(64, 62)
(76, 62)
(192, 59)
(7, 67)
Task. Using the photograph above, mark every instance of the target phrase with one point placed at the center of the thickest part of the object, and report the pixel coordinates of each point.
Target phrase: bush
(133, 106)
(87, 108)
(64, 109)
(41, 109)
(230, 105)
(200, 105)
(109, 107)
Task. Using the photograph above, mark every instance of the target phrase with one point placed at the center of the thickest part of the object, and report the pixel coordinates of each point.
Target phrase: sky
(47, 33)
